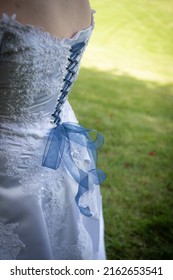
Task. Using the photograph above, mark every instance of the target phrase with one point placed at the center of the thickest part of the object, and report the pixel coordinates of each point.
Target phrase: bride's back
(62, 18)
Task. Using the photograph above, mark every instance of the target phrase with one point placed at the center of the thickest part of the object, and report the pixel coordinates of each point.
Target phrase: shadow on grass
(135, 118)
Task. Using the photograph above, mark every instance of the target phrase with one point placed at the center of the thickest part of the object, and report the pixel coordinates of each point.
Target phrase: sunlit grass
(134, 37)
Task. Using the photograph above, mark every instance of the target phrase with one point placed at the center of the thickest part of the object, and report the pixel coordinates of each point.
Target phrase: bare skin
(61, 18)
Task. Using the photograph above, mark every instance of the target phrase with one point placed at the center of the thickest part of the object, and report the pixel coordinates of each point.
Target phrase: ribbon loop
(59, 148)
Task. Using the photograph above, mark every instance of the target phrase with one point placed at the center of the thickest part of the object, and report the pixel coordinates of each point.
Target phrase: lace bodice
(35, 67)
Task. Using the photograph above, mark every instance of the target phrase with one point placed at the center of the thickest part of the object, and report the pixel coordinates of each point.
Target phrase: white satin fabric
(39, 218)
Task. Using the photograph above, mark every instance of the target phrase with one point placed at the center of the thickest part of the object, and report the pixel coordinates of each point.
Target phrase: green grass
(132, 108)
(134, 37)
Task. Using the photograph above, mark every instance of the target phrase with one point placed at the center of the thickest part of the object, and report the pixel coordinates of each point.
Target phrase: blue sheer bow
(59, 148)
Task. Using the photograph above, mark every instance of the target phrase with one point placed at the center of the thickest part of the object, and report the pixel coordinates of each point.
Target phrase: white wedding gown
(43, 215)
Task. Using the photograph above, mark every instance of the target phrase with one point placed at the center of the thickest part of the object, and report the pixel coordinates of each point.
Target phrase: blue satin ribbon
(58, 148)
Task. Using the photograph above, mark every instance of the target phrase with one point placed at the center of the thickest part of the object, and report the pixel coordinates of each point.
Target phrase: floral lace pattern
(10, 244)
(77, 249)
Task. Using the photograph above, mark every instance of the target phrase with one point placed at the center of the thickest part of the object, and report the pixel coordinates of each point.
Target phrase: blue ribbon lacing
(62, 137)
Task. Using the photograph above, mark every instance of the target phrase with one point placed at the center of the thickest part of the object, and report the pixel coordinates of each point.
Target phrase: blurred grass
(125, 91)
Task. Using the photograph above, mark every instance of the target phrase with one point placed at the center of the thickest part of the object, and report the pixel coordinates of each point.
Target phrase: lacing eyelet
(71, 68)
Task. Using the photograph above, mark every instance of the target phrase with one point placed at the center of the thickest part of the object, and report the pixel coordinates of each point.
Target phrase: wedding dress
(50, 202)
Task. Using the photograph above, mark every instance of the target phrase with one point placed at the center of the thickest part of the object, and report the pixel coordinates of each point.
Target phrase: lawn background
(125, 91)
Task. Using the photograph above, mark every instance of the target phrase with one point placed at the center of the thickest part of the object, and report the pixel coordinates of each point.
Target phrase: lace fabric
(32, 70)
(10, 244)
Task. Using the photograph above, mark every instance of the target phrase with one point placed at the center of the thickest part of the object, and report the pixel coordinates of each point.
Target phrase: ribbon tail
(54, 149)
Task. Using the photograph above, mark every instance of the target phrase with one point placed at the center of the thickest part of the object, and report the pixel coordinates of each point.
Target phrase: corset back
(33, 68)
